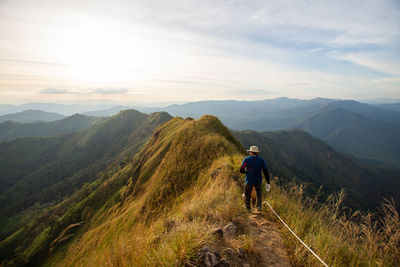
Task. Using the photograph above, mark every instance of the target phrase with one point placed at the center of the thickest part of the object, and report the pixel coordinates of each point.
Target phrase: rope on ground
(301, 241)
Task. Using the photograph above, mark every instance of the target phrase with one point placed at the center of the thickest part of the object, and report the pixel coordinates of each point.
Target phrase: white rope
(297, 236)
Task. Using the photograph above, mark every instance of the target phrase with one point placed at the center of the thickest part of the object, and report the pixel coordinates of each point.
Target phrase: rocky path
(269, 243)
(266, 248)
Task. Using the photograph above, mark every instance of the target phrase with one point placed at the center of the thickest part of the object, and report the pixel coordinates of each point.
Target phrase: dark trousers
(247, 193)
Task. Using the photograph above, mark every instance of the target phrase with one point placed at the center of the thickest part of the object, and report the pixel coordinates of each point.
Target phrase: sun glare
(101, 53)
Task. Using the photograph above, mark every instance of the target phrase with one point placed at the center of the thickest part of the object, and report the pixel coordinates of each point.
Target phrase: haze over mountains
(11, 130)
(359, 129)
(64, 109)
(61, 163)
(31, 116)
(147, 165)
(368, 131)
(294, 154)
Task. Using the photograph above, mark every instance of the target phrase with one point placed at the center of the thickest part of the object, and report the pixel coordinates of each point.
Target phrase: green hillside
(185, 173)
(40, 172)
(165, 204)
(354, 134)
(10, 130)
(297, 155)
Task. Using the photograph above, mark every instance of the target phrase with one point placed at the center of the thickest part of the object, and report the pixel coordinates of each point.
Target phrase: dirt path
(269, 243)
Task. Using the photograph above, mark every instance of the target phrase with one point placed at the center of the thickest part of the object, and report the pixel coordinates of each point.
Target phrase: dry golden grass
(184, 183)
(340, 238)
(172, 238)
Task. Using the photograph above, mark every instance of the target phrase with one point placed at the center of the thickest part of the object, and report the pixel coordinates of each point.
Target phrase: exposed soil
(268, 241)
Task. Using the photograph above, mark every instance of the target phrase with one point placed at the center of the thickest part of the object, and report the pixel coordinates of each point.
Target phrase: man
(252, 167)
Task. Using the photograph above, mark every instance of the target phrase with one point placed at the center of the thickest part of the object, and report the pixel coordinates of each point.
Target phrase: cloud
(253, 92)
(195, 49)
(54, 91)
(31, 62)
(361, 22)
(395, 80)
(385, 62)
(109, 91)
(96, 91)
(297, 84)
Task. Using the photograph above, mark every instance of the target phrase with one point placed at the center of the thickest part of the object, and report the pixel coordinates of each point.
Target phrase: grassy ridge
(170, 203)
(159, 207)
(172, 238)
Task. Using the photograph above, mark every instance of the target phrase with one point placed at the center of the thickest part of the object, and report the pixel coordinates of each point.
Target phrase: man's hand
(267, 187)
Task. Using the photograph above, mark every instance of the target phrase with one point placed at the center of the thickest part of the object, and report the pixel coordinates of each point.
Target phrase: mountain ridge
(56, 166)
(178, 161)
(27, 116)
(163, 203)
(10, 130)
(286, 113)
(354, 134)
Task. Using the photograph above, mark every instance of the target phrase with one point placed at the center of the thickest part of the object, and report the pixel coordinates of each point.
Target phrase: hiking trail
(268, 241)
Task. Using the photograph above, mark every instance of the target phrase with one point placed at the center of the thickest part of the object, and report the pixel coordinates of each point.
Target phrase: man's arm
(266, 174)
(242, 168)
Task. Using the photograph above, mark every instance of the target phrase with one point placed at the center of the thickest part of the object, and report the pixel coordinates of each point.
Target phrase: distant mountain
(360, 129)
(274, 114)
(43, 171)
(297, 155)
(11, 130)
(31, 116)
(369, 111)
(354, 134)
(106, 112)
(161, 202)
(271, 114)
(392, 107)
(63, 109)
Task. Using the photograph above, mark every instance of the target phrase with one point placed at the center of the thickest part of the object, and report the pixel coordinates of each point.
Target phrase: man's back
(254, 166)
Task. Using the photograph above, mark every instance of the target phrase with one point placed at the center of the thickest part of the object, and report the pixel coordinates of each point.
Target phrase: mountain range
(64, 109)
(358, 129)
(31, 116)
(41, 171)
(11, 130)
(298, 156)
(141, 181)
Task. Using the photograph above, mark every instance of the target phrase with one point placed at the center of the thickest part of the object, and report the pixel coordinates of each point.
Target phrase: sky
(175, 51)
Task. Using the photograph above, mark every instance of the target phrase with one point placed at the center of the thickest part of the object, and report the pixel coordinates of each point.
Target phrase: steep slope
(177, 202)
(157, 210)
(354, 134)
(297, 155)
(31, 116)
(40, 172)
(11, 130)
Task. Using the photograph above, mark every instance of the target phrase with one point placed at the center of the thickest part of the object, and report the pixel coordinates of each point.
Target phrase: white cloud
(377, 60)
(187, 50)
(55, 91)
(388, 80)
(96, 91)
